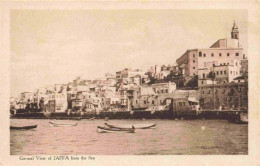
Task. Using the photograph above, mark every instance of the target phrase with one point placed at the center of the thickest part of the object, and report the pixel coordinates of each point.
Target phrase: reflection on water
(170, 137)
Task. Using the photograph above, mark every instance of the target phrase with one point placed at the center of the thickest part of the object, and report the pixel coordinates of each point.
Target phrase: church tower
(234, 32)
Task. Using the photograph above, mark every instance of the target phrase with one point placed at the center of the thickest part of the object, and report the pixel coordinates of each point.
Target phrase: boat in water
(23, 127)
(244, 117)
(63, 124)
(129, 126)
(114, 130)
(239, 118)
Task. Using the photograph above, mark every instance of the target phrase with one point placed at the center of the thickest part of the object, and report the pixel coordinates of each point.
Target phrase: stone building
(221, 73)
(224, 96)
(151, 97)
(57, 102)
(222, 51)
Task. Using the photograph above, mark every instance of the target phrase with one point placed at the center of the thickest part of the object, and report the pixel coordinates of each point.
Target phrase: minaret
(234, 32)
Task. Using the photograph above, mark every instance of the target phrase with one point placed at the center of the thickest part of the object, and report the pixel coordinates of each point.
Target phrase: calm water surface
(170, 137)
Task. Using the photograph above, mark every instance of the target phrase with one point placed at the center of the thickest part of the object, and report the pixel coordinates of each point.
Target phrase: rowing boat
(244, 117)
(129, 126)
(239, 118)
(63, 124)
(23, 127)
(114, 130)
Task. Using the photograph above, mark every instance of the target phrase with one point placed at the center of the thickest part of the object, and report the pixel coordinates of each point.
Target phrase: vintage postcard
(130, 83)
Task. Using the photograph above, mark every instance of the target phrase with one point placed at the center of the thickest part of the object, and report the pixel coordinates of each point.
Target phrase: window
(136, 101)
(204, 55)
(230, 72)
(220, 54)
(237, 54)
(166, 91)
(216, 91)
(180, 104)
(225, 72)
(201, 82)
(193, 67)
(144, 102)
(203, 75)
(217, 72)
(193, 55)
(221, 72)
(239, 89)
(152, 101)
(193, 61)
(209, 92)
(183, 103)
(227, 54)
(203, 92)
(212, 54)
(200, 54)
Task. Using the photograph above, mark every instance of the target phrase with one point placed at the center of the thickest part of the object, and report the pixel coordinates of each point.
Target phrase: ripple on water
(170, 137)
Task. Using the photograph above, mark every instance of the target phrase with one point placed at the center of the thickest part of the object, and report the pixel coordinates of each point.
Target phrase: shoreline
(214, 114)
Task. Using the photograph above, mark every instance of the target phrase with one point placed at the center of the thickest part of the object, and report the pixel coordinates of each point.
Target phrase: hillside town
(214, 78)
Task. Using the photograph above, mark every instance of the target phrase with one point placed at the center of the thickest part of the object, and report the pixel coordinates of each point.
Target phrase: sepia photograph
(129, 82)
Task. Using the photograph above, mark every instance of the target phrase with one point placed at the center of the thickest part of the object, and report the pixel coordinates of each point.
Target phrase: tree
(212, 75)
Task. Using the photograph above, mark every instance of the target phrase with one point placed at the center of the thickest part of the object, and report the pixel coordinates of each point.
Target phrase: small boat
(23, 127)
(243, 117)
(63, 124)
(114, 130)
(129, 126)
(239, 118)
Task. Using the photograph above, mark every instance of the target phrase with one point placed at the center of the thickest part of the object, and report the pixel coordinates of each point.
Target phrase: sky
(55, 46)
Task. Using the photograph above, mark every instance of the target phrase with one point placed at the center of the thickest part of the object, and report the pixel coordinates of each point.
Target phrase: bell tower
(234, 32)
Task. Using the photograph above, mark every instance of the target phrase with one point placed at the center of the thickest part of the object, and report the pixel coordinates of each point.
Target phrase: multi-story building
(57, 102)
(221, 73)
(26, 96)
(185, 100)
(222, 51)
(144, 97)
(159, 88)
(224, 96)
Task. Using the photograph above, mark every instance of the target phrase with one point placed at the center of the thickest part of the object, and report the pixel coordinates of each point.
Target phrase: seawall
(132, 115)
